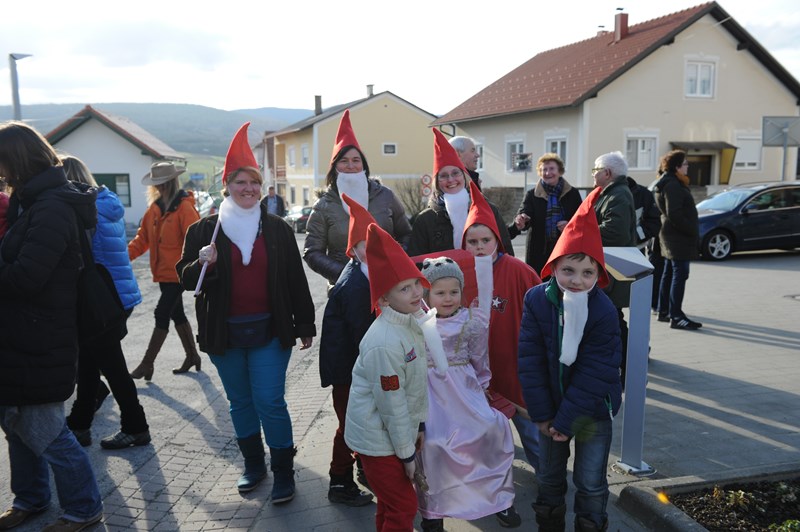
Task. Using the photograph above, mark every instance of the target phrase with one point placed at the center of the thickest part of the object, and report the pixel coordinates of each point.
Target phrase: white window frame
(306, 196)
(479, 150)
(650, 154)
(694, 79)
(304, 155)
(392, 146)
(290, 155)
(749, 153)
(561, 150)
(512, 147)
(292, 194)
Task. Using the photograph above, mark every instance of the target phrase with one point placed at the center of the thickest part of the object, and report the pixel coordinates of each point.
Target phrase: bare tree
(409, 192)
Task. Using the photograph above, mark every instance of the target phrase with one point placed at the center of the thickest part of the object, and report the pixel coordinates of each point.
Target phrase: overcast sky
(281, 53)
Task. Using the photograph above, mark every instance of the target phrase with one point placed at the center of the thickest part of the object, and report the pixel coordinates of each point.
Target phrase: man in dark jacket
(275, 204)
(616, 217)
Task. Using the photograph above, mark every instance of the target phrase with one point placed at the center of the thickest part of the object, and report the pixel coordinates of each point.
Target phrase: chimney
(620, 26)
(369, 90)
(317, 105)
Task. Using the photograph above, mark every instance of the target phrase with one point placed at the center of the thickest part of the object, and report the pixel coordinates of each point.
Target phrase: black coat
(647, 213)
(347, 317)
(39, 265)
(680, 231)
(289, 295)
(534, 204)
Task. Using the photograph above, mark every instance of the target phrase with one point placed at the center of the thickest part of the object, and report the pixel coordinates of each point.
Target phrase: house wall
(649, 99)
(105, 153)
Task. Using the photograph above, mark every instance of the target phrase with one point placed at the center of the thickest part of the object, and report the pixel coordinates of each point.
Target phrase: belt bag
(252, 330)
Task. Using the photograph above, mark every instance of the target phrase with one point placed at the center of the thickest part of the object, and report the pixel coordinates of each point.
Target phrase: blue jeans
(255, 383)
(592, 445)
(77, 488)
(680, 273)
(529, 436)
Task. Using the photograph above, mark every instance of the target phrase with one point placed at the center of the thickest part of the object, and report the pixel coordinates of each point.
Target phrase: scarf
(457, 206)
(354, 185)
(554, 213)
(575, 313)
(433, 340)
(683, 178)
(241, 226)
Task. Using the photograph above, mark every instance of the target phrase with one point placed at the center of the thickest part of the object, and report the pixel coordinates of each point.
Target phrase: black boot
(282, 465)
(345, 491)
(584, 524)
(550, 518)
(255, 467)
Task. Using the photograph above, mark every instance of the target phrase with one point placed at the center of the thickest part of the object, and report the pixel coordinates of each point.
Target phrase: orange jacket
(163, 235)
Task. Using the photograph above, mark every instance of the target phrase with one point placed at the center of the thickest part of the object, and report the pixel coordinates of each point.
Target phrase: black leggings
(170, 305)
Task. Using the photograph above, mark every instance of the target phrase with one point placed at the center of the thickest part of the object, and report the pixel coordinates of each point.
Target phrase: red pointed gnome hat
(480, 213)
(239, 154)
(344, 136)
(360, 218)
(388, 264)
(581, 235)
(445, 155)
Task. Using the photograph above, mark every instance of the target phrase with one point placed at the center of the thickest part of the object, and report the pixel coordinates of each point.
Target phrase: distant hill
(186, 128)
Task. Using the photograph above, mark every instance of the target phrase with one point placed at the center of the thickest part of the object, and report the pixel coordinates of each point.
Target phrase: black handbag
(101, 316)
(252, 330)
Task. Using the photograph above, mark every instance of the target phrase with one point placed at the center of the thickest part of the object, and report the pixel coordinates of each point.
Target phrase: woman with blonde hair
(162, 231)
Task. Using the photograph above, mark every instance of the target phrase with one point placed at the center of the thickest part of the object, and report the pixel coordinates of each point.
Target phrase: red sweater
(249, 290)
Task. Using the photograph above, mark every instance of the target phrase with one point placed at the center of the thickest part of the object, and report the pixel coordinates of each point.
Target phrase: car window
(764, 201)
(793, 197)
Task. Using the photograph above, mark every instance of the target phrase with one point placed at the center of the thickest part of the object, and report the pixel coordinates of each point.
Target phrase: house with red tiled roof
(392, 132)
(117, 151)
(694, 80)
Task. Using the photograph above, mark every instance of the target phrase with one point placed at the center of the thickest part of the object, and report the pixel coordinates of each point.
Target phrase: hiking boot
(347, 493)
(84, 437)
(65, 525)
(509, 518)
(121, 440)
(685, 323)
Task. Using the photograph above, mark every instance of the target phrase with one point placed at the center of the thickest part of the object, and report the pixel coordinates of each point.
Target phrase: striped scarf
(554, 214)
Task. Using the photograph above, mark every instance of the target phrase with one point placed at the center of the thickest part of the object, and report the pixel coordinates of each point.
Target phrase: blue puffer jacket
(569, 395)
(110, 247)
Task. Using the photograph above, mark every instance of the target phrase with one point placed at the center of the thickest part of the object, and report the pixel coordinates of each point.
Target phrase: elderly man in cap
(170, 212)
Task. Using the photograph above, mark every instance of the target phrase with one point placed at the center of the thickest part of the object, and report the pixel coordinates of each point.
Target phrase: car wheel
(717, 245)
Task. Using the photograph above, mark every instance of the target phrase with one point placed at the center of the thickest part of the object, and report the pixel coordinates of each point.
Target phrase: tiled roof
(129, 130)
(569, 75)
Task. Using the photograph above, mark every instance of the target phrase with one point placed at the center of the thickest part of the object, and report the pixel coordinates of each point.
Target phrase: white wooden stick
(205, 264)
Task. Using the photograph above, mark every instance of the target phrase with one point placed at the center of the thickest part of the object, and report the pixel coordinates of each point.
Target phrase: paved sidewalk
(721, 400)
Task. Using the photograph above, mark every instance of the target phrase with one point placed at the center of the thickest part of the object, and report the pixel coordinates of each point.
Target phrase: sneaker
(84, 437)
(685, 323)
(121, 440)
(16, 516)
(662, 316)
(65, 525)
(348, 495)
(509, 518)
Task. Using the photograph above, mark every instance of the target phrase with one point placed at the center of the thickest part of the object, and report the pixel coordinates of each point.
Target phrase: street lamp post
(12, 65)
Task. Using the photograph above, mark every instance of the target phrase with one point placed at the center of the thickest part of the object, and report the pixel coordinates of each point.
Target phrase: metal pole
(785, 146)
(12, 66)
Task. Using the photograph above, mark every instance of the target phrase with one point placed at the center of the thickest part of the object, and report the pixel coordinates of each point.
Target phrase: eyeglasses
(455, 174)
(596, 170)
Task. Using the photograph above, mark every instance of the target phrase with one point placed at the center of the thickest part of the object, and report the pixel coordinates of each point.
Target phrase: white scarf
(484, 275)
(576, 311)
(457, 206)
(427, 322)
(354, 185)
(240, 225)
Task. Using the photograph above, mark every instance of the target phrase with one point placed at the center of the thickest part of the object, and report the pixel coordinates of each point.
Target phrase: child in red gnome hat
(512, 278)
(348, 315)
(388, 400)
(569, 357)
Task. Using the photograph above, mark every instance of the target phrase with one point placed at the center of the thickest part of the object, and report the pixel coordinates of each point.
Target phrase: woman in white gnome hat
(163, 227)
(253, 303)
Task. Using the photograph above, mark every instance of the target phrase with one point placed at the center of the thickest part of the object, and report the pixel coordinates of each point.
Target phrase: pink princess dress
(468, 447)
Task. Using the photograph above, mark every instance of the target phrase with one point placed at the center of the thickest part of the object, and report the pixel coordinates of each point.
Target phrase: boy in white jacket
(388, 401)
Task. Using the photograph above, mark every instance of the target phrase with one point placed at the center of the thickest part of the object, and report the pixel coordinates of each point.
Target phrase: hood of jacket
(53, 183)
(108, 205)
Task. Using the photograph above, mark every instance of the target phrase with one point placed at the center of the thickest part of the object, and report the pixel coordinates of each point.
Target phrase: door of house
(699, 170)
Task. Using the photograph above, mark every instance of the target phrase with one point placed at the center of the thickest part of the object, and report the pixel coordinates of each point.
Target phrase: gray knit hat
(440, 267)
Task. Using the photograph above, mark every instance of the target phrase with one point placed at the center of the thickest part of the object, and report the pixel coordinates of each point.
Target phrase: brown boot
(145, 368)
(187, 339)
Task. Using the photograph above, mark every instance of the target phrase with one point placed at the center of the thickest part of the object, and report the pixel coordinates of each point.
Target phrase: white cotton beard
(576, 312)
(240, 226)
(364, 269)
(354, 185)
(427, 322)
(484, 275)
(457, 206)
